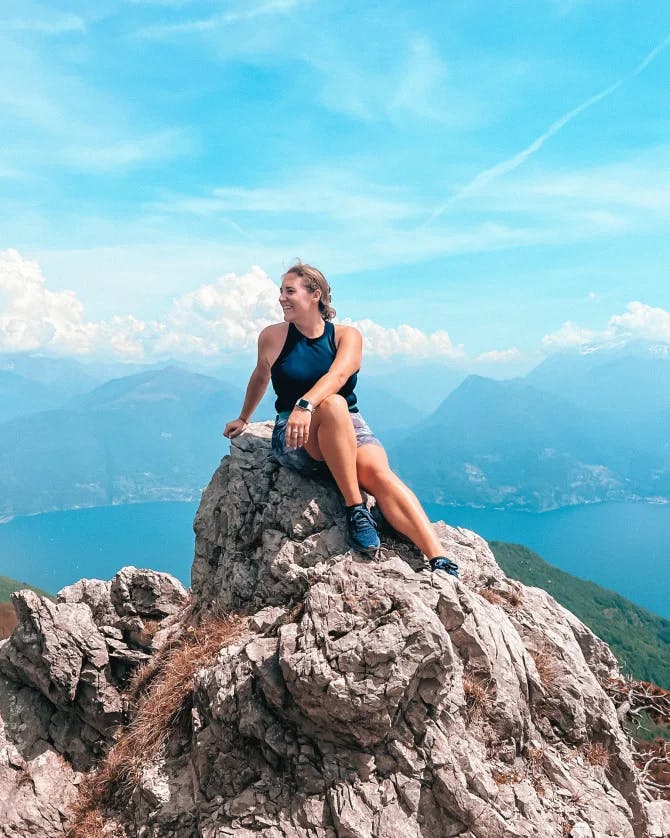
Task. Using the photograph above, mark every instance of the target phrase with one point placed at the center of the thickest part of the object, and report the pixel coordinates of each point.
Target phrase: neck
(310, 327)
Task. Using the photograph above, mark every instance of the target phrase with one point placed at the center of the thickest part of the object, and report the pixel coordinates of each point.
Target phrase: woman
(313, 365)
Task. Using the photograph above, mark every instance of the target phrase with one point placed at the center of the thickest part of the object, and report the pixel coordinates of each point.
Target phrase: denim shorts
(299, 460)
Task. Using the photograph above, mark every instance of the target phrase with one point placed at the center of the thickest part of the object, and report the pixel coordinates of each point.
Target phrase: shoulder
(272, 333)
(270, 341)
(348, 334)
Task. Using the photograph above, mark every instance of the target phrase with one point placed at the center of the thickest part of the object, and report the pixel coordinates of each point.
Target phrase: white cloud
(219, 318)
(227, 314)
(643, 322)
(569, 336)
(500, 356)
(406, 341)
(639, 322)
(31, 316)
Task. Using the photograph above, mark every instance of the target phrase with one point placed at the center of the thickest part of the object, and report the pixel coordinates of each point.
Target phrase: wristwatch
(305, 405)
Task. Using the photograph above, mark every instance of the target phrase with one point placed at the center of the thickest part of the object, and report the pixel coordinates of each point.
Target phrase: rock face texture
(62, 676)
(361, 698)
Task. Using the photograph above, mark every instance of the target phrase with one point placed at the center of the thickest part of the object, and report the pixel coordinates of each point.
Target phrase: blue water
(57, 548)
(625, 547)
(621, 546)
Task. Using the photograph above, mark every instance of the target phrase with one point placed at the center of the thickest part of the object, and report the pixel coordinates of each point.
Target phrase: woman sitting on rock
(313, 365)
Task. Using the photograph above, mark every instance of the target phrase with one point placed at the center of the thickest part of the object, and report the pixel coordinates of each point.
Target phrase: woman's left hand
(297, 427)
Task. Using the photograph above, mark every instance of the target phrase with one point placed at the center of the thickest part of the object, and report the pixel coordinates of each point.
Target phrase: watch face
(303, 403)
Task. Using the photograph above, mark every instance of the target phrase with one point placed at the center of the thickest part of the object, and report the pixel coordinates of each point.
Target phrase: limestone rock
(63, 673)
(36, 783)
(363, 698)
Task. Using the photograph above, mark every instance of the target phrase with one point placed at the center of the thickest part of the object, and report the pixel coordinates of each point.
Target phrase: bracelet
(242, 419)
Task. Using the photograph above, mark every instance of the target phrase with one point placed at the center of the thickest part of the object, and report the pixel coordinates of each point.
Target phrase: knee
(375, 477)
(334, 405)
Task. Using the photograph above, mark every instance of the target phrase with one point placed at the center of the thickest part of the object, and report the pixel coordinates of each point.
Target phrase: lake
(625, 547)
(621, 546)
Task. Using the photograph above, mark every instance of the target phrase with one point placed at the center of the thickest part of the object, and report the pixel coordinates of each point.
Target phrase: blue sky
(482, 172)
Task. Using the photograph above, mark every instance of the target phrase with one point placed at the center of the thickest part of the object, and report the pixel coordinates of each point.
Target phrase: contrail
(486, 176)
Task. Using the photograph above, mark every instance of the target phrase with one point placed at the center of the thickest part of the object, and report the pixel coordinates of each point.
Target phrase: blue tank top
(301, 363)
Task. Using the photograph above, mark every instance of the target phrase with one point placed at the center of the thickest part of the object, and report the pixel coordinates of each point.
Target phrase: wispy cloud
(48, 26)
(485, 177)
(164, 145)
(59, 118)
(219, 20)
(342, 196)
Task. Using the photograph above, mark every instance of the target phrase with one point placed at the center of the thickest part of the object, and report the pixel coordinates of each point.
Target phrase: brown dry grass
(505, 778)
(476, 696)
(548, 667)
(503, 597)
(596, 753)
(162, 691)
(492, 596)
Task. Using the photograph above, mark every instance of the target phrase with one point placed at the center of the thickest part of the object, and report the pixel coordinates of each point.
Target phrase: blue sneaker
(443, 563)
(362, 529)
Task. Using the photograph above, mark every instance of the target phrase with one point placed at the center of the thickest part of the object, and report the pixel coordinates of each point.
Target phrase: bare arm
(347, 362)
(258, 384)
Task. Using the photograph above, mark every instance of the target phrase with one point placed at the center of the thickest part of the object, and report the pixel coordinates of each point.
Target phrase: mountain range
(579, 428)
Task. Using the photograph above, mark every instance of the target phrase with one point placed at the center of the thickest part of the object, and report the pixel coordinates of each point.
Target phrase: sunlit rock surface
(364, 698)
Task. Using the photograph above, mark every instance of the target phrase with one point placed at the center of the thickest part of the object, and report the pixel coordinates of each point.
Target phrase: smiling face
(297, 301)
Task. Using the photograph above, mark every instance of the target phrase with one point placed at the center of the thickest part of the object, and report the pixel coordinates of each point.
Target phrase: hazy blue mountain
(631, 384)
(579, 428)
(19, 395)
(151, 436)
(419, 385)
(63, 375)
(31, 383)
(506, 443)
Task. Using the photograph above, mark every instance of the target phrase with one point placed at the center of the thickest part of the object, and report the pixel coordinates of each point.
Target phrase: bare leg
(332, 438)
(399, 504)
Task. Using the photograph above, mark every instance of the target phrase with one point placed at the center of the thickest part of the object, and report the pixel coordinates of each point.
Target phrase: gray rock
(145, 593)
(658, 813)
(362, 699)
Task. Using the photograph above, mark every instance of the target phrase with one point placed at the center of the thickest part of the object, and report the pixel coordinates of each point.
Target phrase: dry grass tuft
(514, 596)
(505, 778)
(500, 596)
(548, 666)
(597, 754)
(162, 691)
(476, 696)
(492, 596)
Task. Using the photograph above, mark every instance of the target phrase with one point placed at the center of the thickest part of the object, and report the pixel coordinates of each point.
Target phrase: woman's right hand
(235, 428)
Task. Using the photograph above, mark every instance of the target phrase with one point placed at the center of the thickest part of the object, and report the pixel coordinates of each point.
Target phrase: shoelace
(360, 519)
(443, 563)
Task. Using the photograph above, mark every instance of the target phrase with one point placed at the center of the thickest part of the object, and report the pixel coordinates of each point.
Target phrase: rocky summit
(348, 697)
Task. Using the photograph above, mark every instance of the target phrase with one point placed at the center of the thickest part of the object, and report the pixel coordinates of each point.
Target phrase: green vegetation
(8, 586)
(639, 639)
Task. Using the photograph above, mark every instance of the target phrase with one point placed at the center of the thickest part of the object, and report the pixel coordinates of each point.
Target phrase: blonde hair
(314, 280)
